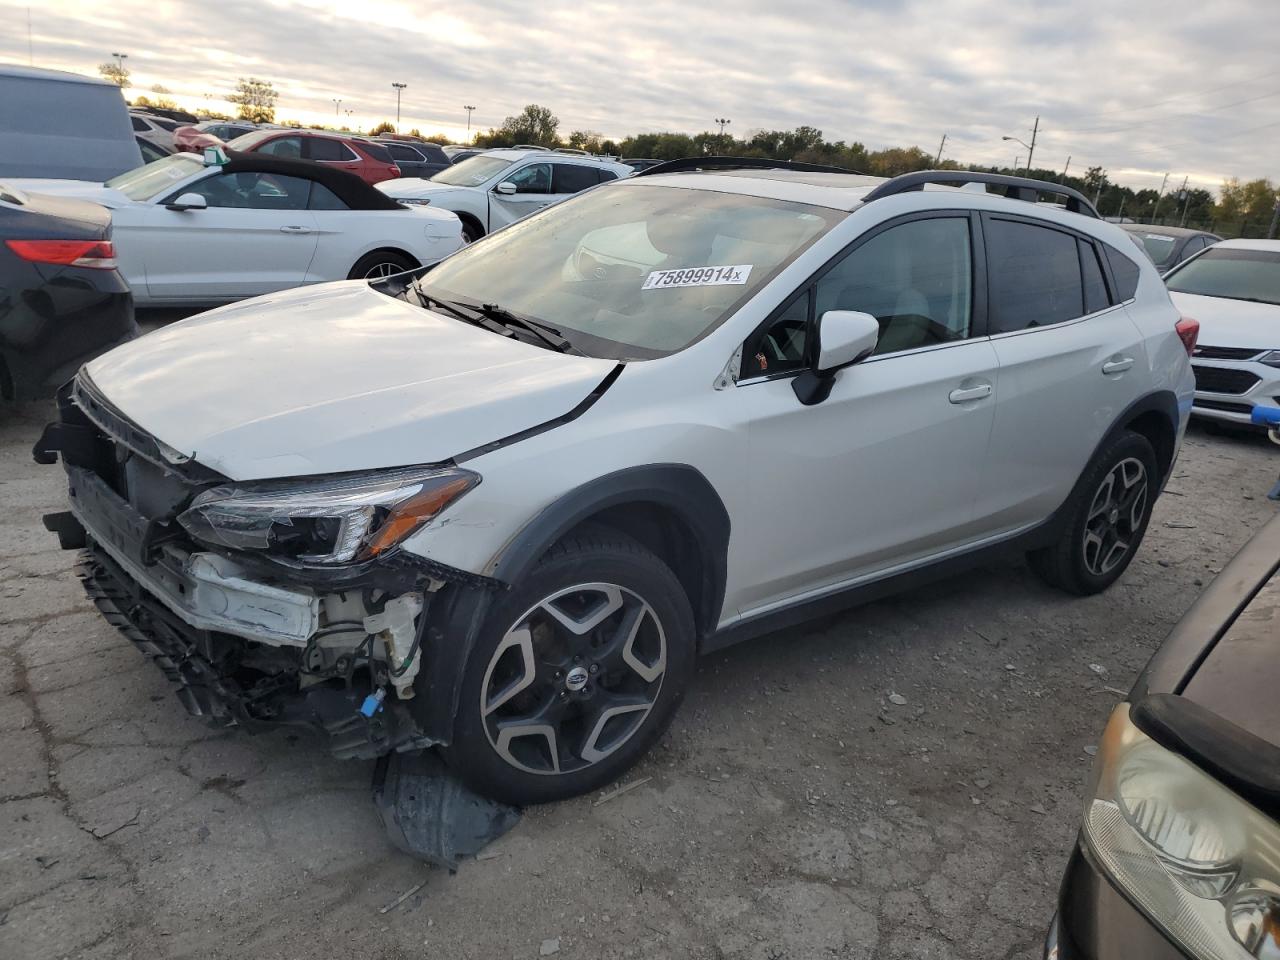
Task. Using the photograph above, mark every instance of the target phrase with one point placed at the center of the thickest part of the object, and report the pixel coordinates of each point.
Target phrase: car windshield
(152, 179)
(1231, 272)
(635, 271)
(1158, 248)
(471, 172)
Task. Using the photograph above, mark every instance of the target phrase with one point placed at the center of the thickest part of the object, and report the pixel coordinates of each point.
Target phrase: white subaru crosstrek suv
(497, 507)
(1233, 290)
(499, 187)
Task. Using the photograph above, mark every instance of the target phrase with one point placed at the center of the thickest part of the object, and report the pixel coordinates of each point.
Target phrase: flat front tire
(575, 674)
(1106, 518)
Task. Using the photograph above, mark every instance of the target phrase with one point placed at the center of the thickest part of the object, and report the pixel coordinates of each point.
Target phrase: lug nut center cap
(576, 679)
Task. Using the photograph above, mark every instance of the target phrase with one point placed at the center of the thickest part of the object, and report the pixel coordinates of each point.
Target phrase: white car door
(255, 236)
(886, 470)
(533, 192)
(1070, 363)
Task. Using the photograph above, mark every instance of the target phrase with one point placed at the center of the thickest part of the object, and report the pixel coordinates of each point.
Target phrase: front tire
(1106, 520)
(379, 264)
(575, 674)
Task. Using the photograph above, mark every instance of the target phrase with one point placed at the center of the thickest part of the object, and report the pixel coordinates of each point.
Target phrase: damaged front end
(287, 602)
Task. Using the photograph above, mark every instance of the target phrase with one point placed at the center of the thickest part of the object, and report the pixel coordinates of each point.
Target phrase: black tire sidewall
(470, 753)
(369, 259)
(1124, 446)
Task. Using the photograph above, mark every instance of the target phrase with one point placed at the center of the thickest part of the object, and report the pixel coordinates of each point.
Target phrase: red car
(371, 162)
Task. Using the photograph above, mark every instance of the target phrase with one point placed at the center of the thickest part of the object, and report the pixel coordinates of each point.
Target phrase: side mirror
(844, 337)
(506, 188)
(188, 201)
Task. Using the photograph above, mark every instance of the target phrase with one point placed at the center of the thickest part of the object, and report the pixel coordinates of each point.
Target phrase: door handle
(1119, 365)
(970, 393)
(293, 229)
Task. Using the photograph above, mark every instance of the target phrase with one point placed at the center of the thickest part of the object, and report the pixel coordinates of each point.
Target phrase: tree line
(1241, 209)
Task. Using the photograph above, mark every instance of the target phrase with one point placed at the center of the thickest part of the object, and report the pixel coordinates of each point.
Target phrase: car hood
(335, 378)
(77, 189)
(1232, 323)
(419, 189)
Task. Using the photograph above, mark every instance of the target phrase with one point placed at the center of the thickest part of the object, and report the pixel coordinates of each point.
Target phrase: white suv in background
(499, 506)
(498, 187)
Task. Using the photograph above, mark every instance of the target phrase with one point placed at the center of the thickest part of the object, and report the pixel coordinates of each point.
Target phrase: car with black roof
(1169, 246)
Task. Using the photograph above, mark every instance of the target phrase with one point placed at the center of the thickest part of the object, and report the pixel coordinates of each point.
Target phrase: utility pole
(1186, 201)
(1032, 149)
(337, 102)
(1159, 197)
(468, 109)
(938, 159)
(399, 87)
(723, 121)
(1063, 178)
(1120, 212)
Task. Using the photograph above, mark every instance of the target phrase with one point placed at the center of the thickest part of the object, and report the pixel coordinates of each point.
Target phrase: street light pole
(468, 109)
(120, 59)
(337, 102)
(399, 87)
(723, 121)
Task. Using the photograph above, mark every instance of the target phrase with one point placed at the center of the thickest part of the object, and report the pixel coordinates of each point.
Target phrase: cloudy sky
(1141, 87)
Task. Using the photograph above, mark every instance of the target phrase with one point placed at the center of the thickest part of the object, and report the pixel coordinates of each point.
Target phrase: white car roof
(511, 153)
(840, 191)
(1271, 245)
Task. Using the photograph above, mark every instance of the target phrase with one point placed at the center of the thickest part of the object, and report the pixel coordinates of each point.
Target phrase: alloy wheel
(1115, 516)
(384, 269)
(573, 679)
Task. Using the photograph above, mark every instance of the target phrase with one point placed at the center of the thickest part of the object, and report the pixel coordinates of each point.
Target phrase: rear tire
(575, 674)
(1106, 519)
(381, 263)
(471, 232)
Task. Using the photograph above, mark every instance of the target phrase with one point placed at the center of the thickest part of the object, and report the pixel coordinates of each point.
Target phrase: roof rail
(1016, 188)
(574, 150)
(738, 163)
(528, 146)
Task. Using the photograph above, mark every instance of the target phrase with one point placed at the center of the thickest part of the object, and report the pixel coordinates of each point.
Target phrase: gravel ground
(902, 780)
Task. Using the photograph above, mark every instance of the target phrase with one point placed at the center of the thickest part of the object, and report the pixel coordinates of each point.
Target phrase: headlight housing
(1200, 861)
(327, 521)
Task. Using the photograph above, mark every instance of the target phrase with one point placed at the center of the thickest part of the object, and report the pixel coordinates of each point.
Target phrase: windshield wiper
(547, 334)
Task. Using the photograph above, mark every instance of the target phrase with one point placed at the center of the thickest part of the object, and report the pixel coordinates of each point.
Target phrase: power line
(1180, 96)
(1175, 116)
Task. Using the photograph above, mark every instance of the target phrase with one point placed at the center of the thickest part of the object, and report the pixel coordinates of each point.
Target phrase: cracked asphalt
(795, 810)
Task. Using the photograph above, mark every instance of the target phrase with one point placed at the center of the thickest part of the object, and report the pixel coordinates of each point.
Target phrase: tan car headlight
(1201, 862)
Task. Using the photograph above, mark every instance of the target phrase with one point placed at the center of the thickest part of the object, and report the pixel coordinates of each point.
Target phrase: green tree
(1095, 180)
(439, 138)
(898, 160)
(533, 125)
(114, 72)
(256, 100)
(1243, 202)
(587, 140)
(383, 127)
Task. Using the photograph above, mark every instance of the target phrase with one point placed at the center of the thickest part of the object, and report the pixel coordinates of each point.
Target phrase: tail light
(1188, 333)
(93, 254)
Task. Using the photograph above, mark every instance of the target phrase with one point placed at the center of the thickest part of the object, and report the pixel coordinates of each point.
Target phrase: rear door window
(572, 177)
(139, 123)
(400, 152)
(1095, 287)
(1033, 275)
(289, 148)
(328, 151)
(433, 153)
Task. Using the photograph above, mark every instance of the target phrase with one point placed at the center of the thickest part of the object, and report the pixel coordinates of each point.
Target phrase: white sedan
(189, 232)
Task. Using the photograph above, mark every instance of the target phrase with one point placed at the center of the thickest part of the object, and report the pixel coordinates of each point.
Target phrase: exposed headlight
(1202, 863)
(333, 520)
(418, 201)
(1271, 359)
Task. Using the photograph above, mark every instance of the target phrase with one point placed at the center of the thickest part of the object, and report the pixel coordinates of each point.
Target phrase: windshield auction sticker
(698, 277)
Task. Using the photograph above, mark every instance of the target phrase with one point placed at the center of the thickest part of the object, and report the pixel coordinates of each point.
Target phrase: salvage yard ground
(903, 780)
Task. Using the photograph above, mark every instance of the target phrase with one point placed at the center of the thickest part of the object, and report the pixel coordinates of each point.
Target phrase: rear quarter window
(377, 152)
(1124, 271)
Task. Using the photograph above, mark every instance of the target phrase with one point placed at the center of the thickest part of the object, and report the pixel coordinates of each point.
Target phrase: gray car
(1169, 246)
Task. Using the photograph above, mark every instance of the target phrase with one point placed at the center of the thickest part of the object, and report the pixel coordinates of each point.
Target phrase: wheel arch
(1154, 417)
(670, 508)
(388, 248)
(471, 219)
